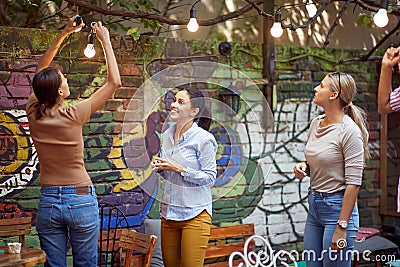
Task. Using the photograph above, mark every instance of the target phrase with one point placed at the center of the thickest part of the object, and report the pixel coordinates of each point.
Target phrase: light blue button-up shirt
(187, 194)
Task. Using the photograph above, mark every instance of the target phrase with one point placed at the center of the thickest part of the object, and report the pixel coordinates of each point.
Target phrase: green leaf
(134, 32)
(364, 19)
(103, 70)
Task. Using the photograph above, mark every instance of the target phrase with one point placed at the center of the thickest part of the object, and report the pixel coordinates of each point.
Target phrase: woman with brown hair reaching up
(68, 209)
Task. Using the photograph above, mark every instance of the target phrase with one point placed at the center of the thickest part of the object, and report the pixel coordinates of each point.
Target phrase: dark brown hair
(45, 85)
(203, 117)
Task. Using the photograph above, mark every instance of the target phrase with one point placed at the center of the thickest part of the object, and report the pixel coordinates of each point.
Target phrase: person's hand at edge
(48, 56)
(391, 57)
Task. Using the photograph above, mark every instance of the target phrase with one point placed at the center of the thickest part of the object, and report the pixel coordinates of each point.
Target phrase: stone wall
(257, 149)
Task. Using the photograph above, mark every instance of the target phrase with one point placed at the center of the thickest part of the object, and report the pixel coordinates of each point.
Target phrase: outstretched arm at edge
(390, 59)
(113, 78)
(48, 56)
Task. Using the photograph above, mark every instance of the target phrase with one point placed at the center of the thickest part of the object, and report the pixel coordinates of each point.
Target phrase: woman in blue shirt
(188, 163)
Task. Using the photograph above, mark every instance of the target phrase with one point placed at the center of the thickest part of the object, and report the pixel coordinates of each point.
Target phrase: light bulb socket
(278, 15)
(77, 21)
(193, 12)
(91, 37)
(384, 4)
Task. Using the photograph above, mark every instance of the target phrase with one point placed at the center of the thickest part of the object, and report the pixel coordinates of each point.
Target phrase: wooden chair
(131, 242)
(112, 221)
(16, 227)
(226, 240)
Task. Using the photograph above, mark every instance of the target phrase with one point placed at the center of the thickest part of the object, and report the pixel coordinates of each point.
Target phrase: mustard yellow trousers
(184, 243)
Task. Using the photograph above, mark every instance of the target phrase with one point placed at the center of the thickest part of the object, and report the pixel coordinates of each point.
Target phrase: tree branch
(369, 55)
(338, 17)
(164, 13)
(259, 10)
(161, 18)
(368, 5)
(310, 21)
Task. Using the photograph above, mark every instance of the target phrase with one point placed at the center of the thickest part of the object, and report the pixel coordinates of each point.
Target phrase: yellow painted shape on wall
(137, 132)
(119, 163)
(133, 179)
(115, 153)
(117, 142)
(21, 142)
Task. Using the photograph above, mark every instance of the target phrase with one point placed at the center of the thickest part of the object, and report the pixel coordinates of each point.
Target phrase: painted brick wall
(257, 150)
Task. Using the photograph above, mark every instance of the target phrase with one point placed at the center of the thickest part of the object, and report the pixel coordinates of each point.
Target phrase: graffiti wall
(257, 146)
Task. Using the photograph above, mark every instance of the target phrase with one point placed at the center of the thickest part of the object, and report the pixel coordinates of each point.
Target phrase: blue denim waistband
(323, 194)
(83, 190)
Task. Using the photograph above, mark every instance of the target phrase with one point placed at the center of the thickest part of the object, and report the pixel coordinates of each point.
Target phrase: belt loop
(92, 190)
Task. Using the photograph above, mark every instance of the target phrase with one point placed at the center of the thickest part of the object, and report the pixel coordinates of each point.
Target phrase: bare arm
(390, 59)
(349, 199)
(48, 56)
(113, 78)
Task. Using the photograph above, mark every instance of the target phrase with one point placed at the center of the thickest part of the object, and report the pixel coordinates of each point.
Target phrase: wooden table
(27, 258)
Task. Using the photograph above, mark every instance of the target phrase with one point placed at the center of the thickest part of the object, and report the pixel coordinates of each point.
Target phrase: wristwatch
(342, 224)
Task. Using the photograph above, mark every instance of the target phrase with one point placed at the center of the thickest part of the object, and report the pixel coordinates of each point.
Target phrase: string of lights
(380, 18)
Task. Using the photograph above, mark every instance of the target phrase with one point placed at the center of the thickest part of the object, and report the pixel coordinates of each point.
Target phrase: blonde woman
(336, 150)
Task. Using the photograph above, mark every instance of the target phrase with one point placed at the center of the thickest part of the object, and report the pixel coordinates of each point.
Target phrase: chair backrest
(226, 240)
(16, 227)
(132, 241)
(112, 221)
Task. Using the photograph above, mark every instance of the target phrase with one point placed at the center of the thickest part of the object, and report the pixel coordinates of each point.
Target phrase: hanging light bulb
(193, 26)
(380, 18)
(276, 30)
(77, 21)
(89, 50)
(311, 9)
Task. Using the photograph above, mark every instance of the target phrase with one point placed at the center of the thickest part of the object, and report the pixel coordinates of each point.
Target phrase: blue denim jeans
(323, 214)
(65, 216)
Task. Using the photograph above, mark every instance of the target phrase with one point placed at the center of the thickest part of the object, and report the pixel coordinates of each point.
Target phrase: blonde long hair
(345, 85)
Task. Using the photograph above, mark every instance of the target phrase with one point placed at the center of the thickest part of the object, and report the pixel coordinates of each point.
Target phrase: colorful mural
(19, 163)
(256, 149)
(240, 178)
